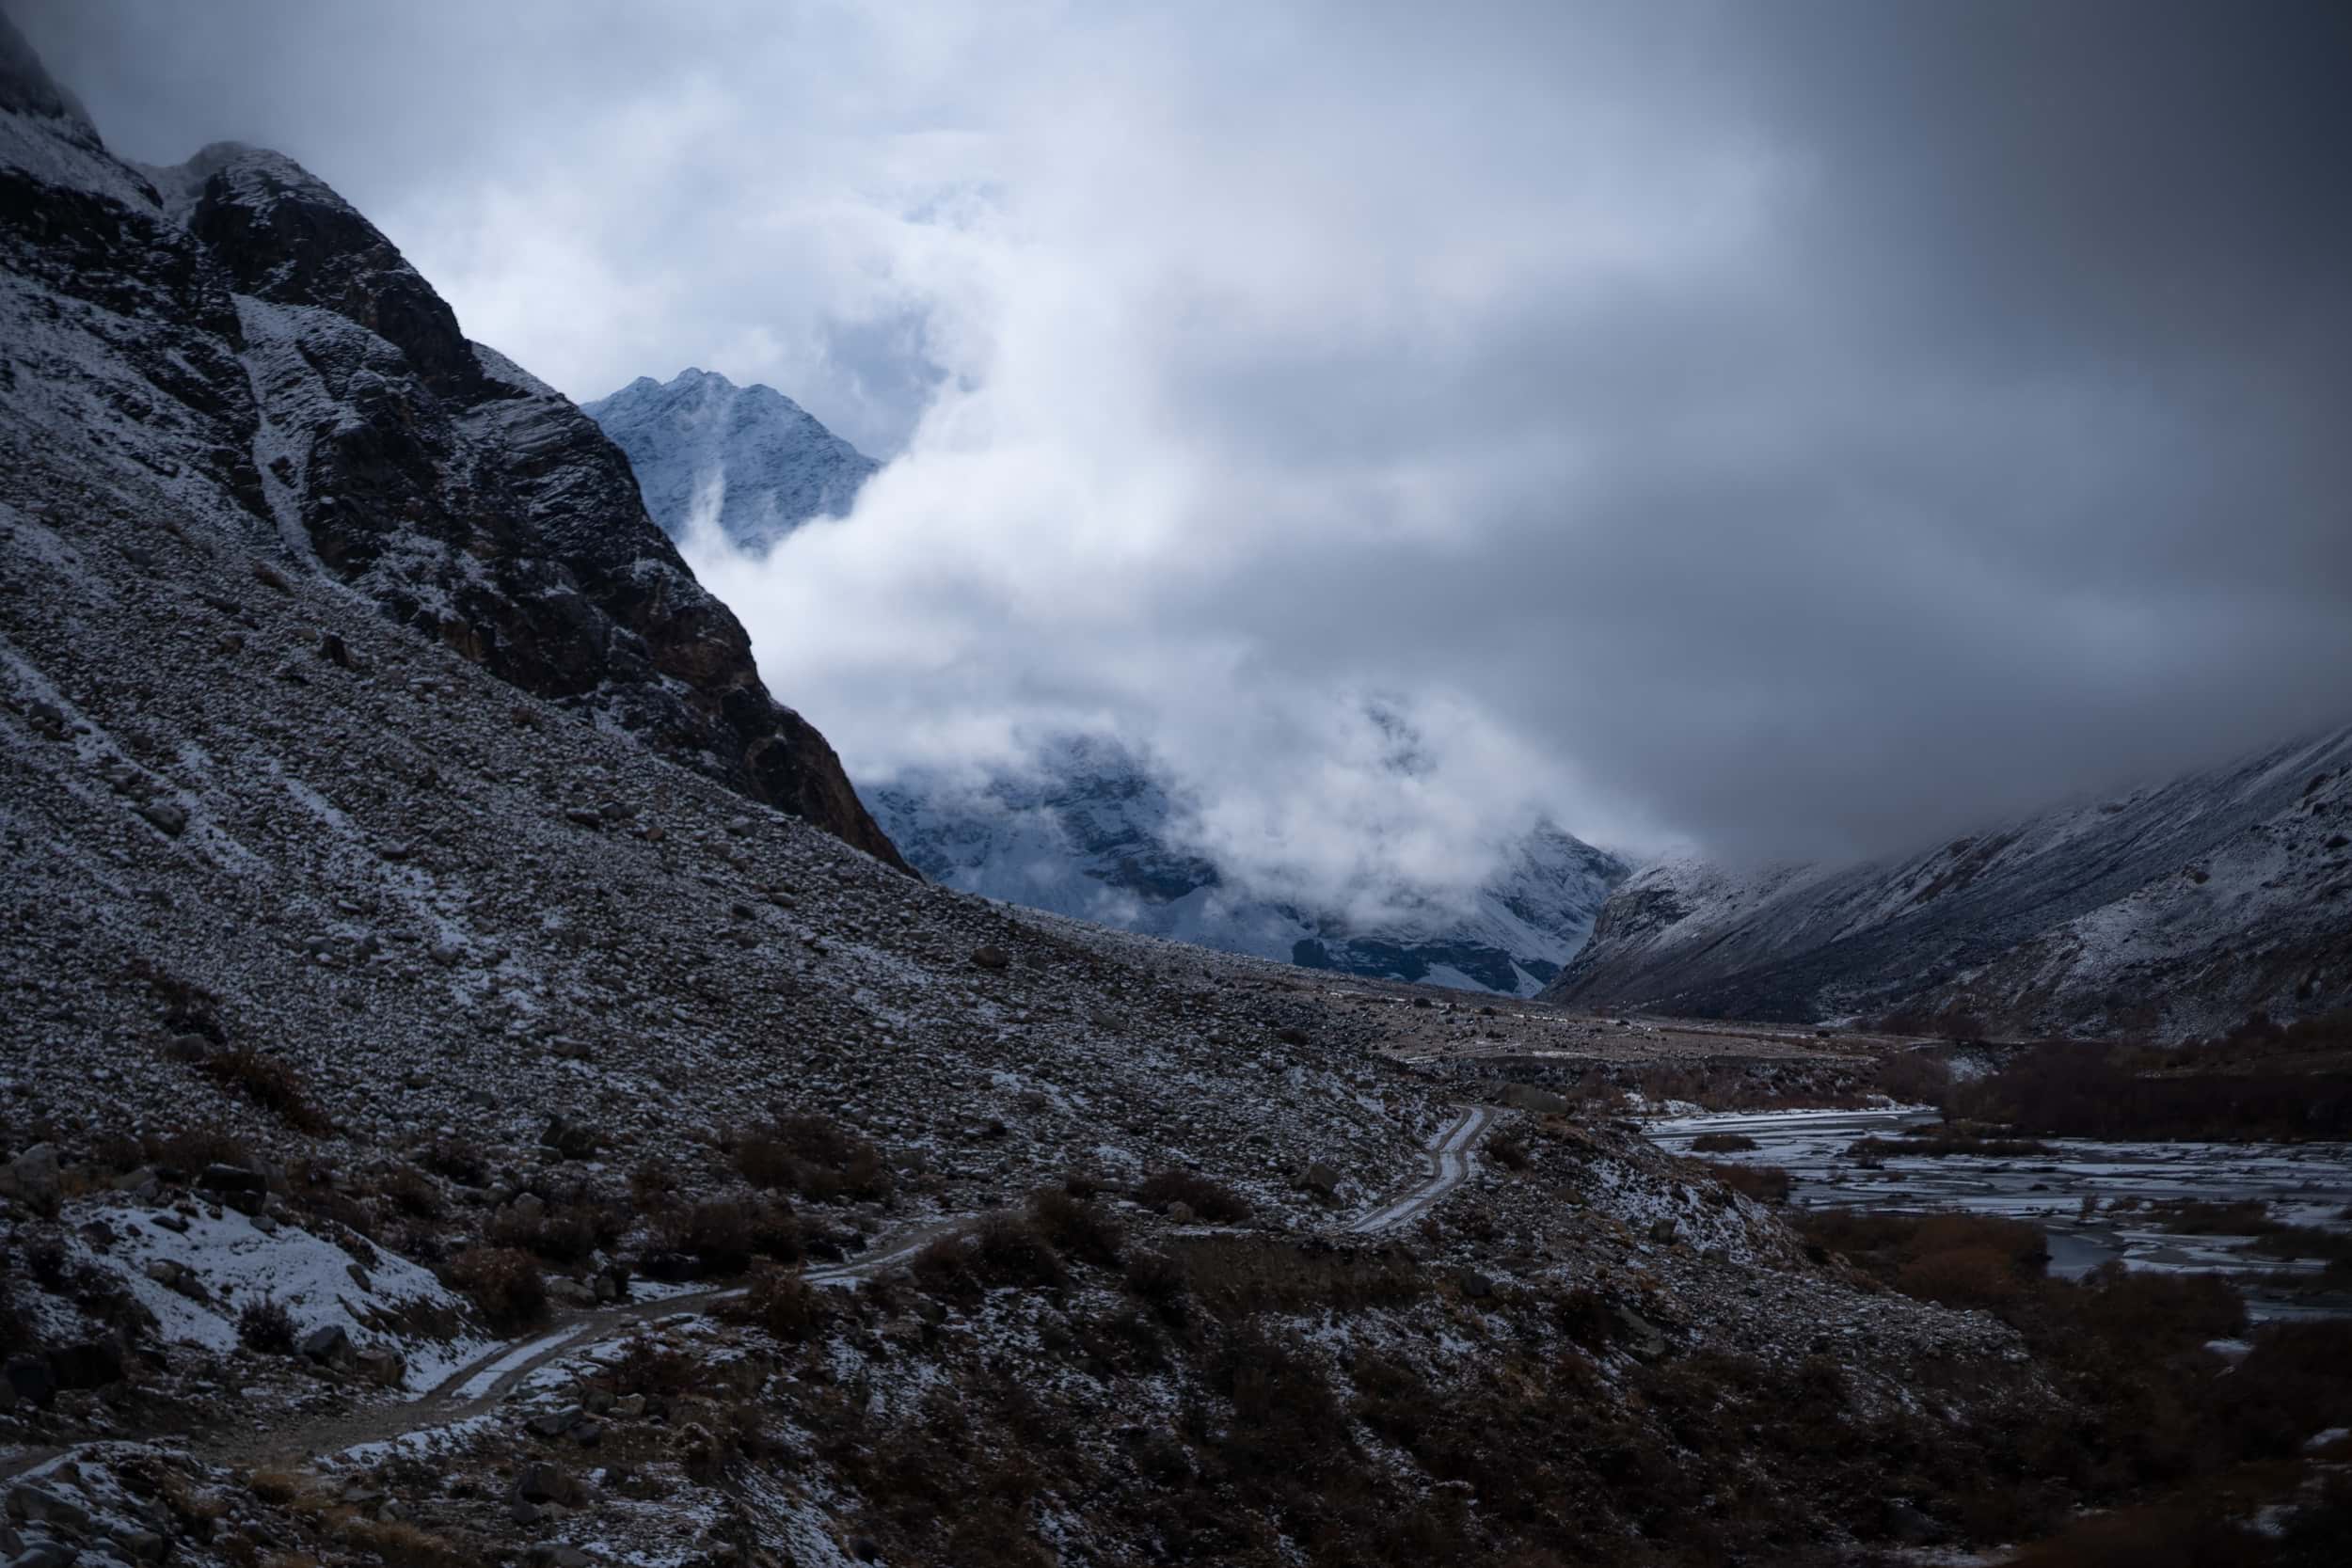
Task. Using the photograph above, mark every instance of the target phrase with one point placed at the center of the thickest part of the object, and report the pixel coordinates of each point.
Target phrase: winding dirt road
(1451, 1160)
(482, 1384)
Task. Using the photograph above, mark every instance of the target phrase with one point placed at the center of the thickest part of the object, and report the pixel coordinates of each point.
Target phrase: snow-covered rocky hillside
(227, 339)
(754, 460)
(2173, 910)
(1094, 832)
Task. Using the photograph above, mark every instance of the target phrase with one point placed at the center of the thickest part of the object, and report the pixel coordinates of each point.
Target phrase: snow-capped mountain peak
(770, 462)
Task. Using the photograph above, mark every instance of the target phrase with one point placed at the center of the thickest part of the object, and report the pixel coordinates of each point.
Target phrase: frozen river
(2074, 1193)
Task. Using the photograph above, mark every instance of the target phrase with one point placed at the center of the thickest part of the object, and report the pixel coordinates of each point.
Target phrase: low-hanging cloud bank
(1797, 429)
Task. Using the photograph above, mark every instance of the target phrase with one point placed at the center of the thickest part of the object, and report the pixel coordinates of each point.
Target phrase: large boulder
(34, 1176)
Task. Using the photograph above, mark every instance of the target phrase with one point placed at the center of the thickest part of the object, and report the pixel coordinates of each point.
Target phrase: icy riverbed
(2091, 1195)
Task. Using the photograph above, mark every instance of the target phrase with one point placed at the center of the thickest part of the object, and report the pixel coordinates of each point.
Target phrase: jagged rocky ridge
(758, 464)
(1092, 831)
(2170, 911)
(234, 334)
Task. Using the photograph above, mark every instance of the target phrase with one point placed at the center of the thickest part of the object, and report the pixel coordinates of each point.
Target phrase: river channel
(2092, 1198)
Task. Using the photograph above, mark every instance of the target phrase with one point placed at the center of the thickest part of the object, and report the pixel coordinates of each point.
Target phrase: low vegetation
(1936, 1144)
(785, 1305)
(1208, 1199)
(2159, 1430)
(269, 1082)
(813, 1158)
(2262, 1082)
(1764, 1183)
(719, 1238)
(504, 1285)
(264, 1325)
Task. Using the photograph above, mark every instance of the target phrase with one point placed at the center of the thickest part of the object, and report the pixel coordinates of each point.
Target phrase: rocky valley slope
(229, 337)
(2169, 911)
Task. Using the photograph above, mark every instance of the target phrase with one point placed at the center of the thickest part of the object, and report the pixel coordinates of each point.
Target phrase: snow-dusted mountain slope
(233, 336)
(1096, 833)
(757, 458)
(2171, 910)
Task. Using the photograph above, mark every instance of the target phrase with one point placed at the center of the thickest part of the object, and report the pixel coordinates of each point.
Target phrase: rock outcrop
(232, 332)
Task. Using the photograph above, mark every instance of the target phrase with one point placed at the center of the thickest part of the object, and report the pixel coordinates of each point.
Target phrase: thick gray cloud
(1793, 429)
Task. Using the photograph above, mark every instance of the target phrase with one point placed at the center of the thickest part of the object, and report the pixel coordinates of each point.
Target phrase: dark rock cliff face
(317, 384)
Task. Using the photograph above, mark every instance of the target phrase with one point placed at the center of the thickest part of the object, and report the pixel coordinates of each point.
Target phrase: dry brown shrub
(458, 1160)
(1962, 1276)
(412, 1192)
(814, 1157)
(1074, 1227)
(720, 1237)
(1207, 1198)
(270, 1083)
(1914, 1078)
(265, 1325)
(399, 1544)
(1238, 1276)
(1722, 1143)
(787, 1307)
(1764, 1183)
(504, 1285)
(1010, 1250)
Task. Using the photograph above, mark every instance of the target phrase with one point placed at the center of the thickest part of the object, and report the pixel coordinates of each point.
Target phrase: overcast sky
(1790, 427)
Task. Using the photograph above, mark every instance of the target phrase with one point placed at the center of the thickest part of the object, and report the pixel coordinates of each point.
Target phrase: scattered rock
(39, 1505)
(30, 1378)
(555, 1423)
(144, 1546)
(544, 1482)
(568, 1138)
(34, 1176)
(168, 816)
(571, 1292)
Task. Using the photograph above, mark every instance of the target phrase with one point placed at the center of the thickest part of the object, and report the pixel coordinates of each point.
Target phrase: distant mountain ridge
(697, 438)
(2170, 911)
(1096, 833)
(1091, 830)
